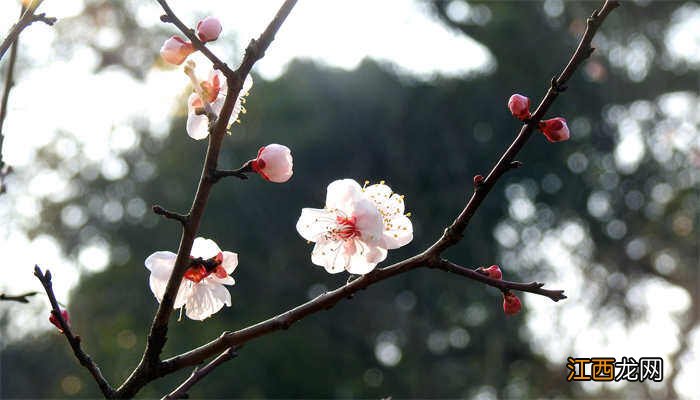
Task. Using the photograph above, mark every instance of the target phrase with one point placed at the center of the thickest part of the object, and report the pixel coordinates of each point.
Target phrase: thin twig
(182, 218)
(170, 17)
(532, 287)
(239, 173)
(20, 298)
(199, 373)
(25, 20)
(9, 83)
(74, 340)
(149, 367)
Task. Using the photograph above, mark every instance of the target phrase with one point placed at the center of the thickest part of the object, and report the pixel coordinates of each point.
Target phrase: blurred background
(411, 92)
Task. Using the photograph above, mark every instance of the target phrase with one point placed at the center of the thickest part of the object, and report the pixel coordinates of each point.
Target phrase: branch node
(182, 218)
(515, 164)
(43, 18)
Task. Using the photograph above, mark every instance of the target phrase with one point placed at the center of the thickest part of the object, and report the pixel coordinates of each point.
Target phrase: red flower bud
(208, 29)
(511, 304)
(494, 272)
(55, 321)
(555, 129)
(519, 106)
(478, 179)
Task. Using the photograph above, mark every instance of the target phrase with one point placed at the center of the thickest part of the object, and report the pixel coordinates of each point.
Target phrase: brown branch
(199, 373)
(455, 231)
(239, 173)
(182, 218)
(27, 18)
(504, 286)
(7, 87)
(149, 367)
(20, 298)
(431, 256)
(74, 340)
(170, 17)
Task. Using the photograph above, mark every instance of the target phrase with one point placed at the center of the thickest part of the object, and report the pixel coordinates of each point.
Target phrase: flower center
(211, 88)
(346, 227)
(204, 268)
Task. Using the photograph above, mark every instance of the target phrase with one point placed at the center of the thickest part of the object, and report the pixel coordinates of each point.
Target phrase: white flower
(214, 92)
(274, 163)
(357, 226)
(202, 290)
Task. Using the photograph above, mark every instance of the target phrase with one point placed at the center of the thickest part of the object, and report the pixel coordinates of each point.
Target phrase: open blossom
(511, 304)
(202, 290)
(555, 129)
(274, 163)
(56, 323)
(175, 50)
(519, 106)
(214, 91)
(208, 29)
(356, 228)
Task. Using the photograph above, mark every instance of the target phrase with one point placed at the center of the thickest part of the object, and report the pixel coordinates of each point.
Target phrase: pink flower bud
(519, 106)
(511, 304)
(555, 129)
(494, 272)
(175, 50)
(208, 29)
(56, 323)
(274, 163)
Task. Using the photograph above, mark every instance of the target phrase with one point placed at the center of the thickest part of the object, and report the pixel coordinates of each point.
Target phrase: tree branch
(25, 20)
(504, 286)
(431, 256)
(170, 17)
(199, 373)
(239, 173)
(149, 366)
(454, 232)
(73, 340)
(9, 82)
(170, 215)
(20, 298)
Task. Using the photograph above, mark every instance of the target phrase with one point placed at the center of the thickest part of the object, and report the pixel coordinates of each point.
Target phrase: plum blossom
(209, 96)
(511, 303)
(274, 163)
(519, 106)
(208, 29)
(175, 50)
(555, 129)
(356, 228)
(202, 292)
(56, 322)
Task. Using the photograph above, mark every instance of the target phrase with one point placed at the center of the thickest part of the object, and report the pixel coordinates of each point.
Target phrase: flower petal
(368, 220)
(341, 194)
(197, 125)
(206, 299)
(330, 255)
(204, 248)
(161, 264)
(398, 231)
(314, 223)
(230, 261)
